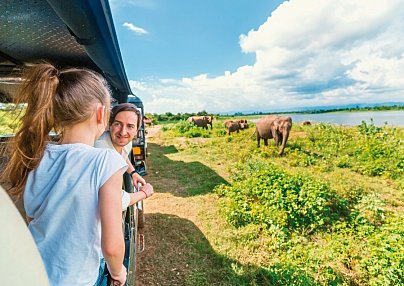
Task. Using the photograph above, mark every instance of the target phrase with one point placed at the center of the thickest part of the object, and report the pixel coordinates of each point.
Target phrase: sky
(225, 56)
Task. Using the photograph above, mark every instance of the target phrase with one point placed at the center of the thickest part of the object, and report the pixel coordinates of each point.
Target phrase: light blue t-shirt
(61, 195)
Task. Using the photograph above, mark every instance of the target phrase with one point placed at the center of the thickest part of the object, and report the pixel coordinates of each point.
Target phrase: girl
(71, 190)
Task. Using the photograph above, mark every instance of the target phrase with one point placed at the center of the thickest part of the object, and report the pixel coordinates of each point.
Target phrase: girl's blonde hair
(55, 99)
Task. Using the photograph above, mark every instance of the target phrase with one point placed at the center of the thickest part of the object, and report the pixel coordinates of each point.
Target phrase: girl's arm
(112, 242)
(146, 192)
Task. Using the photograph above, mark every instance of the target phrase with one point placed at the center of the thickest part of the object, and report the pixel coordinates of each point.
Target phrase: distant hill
(347, 106)
(314, 108)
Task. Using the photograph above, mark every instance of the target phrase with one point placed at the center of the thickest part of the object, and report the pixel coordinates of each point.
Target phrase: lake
(393, 118)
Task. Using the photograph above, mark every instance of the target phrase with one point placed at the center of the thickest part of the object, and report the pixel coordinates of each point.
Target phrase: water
(393, 118)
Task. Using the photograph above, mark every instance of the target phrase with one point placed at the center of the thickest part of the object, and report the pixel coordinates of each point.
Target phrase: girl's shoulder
(80, 150)
(107, 153)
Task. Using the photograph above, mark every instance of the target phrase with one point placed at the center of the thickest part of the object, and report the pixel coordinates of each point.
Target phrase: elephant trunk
(285, 135)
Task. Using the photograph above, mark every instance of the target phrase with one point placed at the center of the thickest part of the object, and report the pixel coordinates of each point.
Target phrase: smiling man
(124, 123)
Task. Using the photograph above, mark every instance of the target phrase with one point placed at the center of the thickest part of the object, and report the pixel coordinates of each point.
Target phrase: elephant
(276, 127)
(232, 126)
(265, 129)
(306, 122)
(199, 121)
(209, 120)
(283, 126)
(243, 124)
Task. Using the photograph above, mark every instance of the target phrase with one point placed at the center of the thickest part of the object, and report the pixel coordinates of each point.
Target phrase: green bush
(9, 120)
(370, 129)
(194, 132)
(186, 129)
(368, 149)
(220, 132)
(367, 214)
(384, 264)
(264, 194)
(183, 126)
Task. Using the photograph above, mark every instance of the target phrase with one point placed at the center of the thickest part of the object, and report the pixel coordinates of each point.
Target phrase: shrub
(264, 194)
(183, 127)
(367, 214)
(9, 120)
(193, 133)
(368, 149)
(384, 265)
(186, 129)
(370, 129)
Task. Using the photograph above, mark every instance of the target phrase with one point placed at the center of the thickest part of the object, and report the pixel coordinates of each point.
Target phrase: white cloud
(122, 4)
(307, 53)
(137, 30)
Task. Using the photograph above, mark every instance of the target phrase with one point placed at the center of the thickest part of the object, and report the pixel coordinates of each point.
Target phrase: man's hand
(148, 190)
(136, 179)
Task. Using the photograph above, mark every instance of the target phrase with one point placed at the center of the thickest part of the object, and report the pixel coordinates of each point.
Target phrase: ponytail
(38, 92)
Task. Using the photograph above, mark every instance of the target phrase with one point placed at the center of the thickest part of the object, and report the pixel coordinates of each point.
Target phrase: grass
(360, 247)
(209, 224)
(8, 124)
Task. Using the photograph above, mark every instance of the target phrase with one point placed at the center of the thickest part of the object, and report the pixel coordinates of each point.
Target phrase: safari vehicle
(67, 33)
(139, 149)
(138, 157)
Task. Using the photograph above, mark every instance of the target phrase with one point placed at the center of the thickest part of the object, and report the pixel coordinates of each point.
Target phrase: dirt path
(178, 215)
(165, 230)
(152, 131)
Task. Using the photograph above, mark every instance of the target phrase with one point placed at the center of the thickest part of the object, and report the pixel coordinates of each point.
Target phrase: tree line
(171, 117)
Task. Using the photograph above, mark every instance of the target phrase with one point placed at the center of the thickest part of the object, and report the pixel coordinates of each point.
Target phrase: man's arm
(136, 178)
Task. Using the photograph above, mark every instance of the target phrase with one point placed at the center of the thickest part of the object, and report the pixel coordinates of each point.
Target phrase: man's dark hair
(125, 107)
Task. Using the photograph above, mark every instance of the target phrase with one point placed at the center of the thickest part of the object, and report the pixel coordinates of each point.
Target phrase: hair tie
(55, 72)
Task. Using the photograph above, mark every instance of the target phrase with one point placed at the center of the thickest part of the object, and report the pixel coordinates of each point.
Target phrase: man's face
(124, 128)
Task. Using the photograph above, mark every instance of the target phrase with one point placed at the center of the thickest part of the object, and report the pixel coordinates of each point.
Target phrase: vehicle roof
(135, 100)
(66, 33)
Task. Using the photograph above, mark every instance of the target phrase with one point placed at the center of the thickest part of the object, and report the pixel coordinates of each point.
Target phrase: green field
(329, 212)
(8, 122)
